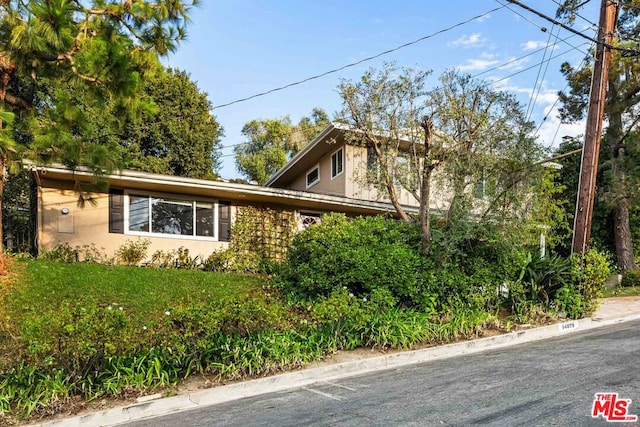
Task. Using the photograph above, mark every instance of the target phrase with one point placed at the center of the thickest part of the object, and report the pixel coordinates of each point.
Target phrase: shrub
(543, 277)
(361, 255)
(179, 258)
(229, 260)
(630, 278)
(591, 272)
(62, 252)
(133, 252)
(571, 302)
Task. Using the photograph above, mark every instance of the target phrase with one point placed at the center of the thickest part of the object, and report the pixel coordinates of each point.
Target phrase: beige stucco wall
(326, 185)
(356, 186)
(90, 225)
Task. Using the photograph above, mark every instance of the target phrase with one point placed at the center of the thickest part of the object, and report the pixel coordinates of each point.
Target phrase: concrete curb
(305, 377)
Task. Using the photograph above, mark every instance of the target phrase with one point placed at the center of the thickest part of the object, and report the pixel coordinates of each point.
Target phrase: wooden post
(593, 132)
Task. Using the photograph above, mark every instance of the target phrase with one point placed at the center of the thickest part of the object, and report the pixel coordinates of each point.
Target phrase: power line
(535, 65)
(625, 51)
(515, 60)
(536, 89)
(553, 106)
(335, 70)
(558, 40)
(573, 10)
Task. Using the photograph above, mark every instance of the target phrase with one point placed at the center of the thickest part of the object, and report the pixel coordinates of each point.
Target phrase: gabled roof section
(304, 159)
(333, 133)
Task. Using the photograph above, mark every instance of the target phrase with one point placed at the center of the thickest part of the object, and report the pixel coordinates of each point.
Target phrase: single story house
(169, 211)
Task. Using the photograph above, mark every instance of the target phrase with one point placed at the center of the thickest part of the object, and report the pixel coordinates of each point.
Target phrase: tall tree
(180, 136)
(622, 119)
(272, 142)
(97, 48)
(385, 109)
(463, 135)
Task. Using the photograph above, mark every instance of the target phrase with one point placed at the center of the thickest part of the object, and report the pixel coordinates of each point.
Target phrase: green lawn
(622, 292)
(145, 293)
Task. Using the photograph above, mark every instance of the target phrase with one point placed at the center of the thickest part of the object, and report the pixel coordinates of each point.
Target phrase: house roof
(240, 193)
(309, 155)
(322, 143)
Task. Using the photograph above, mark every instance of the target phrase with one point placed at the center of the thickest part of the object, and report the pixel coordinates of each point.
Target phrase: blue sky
(236, 49)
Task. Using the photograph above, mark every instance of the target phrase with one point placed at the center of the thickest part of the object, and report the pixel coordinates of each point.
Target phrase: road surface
(550, 382)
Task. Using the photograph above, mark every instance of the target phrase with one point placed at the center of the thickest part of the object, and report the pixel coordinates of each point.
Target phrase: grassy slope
(622, 292)
(41, 286)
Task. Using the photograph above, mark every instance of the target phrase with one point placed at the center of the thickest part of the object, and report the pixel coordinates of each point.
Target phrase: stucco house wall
(327, 184)
(206, 210)
(61, 220)
(357, 186)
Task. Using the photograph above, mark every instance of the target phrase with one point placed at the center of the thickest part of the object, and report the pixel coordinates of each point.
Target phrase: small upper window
(313, 176)
(337, 163)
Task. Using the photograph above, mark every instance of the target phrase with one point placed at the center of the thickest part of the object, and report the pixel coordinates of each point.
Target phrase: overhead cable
(335, 70)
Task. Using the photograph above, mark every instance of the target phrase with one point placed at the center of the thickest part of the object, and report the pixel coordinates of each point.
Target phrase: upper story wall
(358, 187)
(331, 174)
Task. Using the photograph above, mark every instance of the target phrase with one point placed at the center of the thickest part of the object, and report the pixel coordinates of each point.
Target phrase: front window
(171, 216)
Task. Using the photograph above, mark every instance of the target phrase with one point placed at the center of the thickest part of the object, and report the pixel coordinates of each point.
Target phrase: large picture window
(171, 216)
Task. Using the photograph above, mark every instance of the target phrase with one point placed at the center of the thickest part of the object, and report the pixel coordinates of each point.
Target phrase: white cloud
(474, 40)
(544, 114)
(552, 130)
(484, 18)
(514, 64)
(533, 45)
(477, 64)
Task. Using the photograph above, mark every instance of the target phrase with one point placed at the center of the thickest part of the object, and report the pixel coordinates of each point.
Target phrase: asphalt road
(550, 382)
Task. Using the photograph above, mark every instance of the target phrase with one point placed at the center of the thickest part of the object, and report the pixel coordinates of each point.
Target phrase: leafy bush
(363, 255)
(543, 277)
(590, 273)
(230, 260)
(571, 302)
(630, 278)
(133, 252)
(62, 252)
(179, 258)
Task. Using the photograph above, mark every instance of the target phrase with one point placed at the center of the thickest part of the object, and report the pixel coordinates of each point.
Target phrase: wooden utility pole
(593, 133)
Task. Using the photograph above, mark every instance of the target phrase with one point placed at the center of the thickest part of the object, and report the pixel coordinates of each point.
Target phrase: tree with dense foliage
(50, 50)
(272, 142)
(620, 168)
(180, 137)
(464, 136)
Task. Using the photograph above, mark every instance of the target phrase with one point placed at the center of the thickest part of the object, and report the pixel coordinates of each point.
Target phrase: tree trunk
(425, 214)
(622, 231)
(425, 189)
(6, 70)
(621, 225)
(388, 180)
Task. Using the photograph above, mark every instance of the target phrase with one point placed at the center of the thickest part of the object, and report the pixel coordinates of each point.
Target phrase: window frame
(334, 175)
(306, 177)
(183, 198)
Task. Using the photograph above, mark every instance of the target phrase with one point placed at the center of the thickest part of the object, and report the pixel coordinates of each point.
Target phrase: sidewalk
(617, 307)
(612, 310)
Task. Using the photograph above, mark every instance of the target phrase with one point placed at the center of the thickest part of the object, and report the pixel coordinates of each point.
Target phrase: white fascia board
(300, 154)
